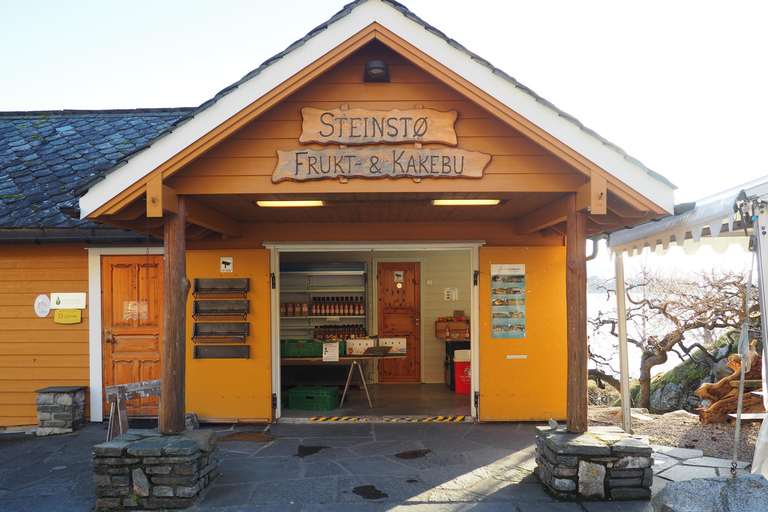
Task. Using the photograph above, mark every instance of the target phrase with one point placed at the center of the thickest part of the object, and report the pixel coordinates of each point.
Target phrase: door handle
(108, 339)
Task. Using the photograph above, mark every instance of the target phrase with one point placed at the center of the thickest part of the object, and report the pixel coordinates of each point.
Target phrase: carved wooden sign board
(362, 127)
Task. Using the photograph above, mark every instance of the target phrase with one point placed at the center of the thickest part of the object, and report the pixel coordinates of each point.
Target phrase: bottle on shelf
(447, 332)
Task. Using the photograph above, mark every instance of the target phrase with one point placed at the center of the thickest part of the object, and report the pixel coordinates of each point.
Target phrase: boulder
(748, 493)
(669, 398)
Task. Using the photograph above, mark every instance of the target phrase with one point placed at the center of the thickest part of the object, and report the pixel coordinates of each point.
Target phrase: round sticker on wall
(42, 306)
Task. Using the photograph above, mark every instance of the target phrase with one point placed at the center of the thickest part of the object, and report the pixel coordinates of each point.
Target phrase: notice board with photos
(508, 301)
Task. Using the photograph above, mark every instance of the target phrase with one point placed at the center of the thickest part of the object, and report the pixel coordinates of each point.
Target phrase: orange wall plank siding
(36, 352)
(251, 151)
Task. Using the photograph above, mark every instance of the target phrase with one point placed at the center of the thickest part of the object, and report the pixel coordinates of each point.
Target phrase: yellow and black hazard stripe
(390, 419)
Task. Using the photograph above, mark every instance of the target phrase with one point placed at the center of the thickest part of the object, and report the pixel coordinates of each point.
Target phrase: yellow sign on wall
(68, 316)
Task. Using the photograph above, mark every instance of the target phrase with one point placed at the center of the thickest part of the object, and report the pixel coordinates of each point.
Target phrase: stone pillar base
(602, 464)
(146, 470)
(60, 409)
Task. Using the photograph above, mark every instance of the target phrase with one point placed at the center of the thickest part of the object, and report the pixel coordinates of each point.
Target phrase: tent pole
(621, 311)
(760, 232)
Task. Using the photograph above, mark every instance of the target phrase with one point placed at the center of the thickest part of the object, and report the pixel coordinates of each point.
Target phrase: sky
(680, 85)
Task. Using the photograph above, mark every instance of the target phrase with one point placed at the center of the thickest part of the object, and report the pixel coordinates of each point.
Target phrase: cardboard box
(357, 346)
(458, 330)
(398, 344)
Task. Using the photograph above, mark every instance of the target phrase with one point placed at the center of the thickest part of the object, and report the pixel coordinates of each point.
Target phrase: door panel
(132, 305)
(399, 316)
(524, 379)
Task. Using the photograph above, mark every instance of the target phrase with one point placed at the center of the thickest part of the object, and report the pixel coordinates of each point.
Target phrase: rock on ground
(748, 493)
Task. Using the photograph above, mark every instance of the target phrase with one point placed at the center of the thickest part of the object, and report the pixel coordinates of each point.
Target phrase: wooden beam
(576, 298)
(204, 216)
(234, 184)
(175, 290)
(593, 196)
(551, 214)
(160, 198)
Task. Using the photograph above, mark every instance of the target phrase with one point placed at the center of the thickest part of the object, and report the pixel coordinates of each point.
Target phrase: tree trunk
(647, 361)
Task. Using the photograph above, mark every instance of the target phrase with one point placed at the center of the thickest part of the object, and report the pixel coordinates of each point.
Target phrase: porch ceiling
(226, 214)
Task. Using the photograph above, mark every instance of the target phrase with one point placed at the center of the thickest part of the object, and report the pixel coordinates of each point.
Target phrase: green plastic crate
(313, 398)
(300, 348)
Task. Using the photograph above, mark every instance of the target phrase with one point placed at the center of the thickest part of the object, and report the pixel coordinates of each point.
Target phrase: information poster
(508, 301)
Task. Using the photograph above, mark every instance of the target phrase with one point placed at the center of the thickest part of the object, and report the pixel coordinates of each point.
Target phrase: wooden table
(354, 360)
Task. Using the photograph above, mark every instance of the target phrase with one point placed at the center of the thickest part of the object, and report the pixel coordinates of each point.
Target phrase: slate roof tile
(45, 156)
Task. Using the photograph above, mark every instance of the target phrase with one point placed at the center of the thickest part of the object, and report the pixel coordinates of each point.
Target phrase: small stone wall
(144, 469)
(60, 409)
(602, 464)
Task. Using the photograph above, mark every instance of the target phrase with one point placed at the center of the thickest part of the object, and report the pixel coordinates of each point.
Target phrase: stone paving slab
(679, 473)
(678, 453)
(714, 463)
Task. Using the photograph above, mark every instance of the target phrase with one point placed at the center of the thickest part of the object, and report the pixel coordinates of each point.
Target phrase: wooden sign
(68, 316)
(359, 126)
(384, 162)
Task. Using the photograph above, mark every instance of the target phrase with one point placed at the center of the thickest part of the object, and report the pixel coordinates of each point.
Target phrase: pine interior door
(399, 316)
(132, 323)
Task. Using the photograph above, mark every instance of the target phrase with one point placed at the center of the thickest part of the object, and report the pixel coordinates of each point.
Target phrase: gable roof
(46, 156)
(396, 18)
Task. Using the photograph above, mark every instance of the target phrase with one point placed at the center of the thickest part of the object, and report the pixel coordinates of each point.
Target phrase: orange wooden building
(376, 117)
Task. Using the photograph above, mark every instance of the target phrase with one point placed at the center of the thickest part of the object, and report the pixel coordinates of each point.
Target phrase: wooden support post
(176, 288)
(576, 297)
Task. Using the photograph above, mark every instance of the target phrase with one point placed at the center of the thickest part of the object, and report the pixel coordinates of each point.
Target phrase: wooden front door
(399, 316)
(132, 324)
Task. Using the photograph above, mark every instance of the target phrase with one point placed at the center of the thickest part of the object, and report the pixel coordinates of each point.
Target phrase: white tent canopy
(731, 212)
(711, 216)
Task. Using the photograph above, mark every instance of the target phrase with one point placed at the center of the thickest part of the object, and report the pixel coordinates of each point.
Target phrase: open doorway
(416, 385)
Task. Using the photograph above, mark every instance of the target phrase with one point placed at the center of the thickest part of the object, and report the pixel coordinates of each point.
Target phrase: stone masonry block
(563, 484)
(121, 480)
(162, 491)
(624, 482)
(141, 485)
(45, 399)
(206, 439)
(158, 470)
(626, 473)
(634, 493)
(100, 480)
(181, 447)
(591, 480)
(64, 399)
(633, 462)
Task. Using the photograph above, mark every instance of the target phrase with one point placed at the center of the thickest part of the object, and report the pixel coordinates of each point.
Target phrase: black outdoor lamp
(376, 71)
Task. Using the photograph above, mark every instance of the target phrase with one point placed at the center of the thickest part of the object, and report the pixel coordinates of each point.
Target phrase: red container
(462, 371)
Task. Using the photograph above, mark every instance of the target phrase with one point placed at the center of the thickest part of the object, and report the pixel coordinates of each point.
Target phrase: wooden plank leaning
(118, 396)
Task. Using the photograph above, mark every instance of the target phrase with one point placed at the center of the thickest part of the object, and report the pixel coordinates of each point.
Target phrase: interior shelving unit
(301, 283)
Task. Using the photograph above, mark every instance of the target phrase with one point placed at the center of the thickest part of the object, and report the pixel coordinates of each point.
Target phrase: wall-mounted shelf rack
(221, 288)
(218, 332)
(220, 310)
